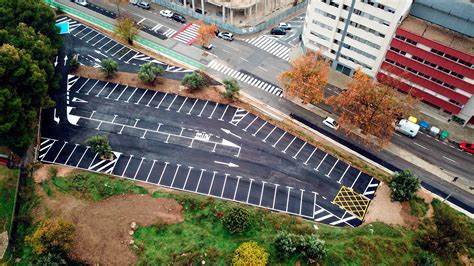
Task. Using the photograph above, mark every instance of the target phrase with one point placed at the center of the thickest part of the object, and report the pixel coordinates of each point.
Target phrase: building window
(356, 61)
(443, 69)
(411, 42)
(319, 35)
(324, 13)
(455, 102)
(322, 25)
(437, 81)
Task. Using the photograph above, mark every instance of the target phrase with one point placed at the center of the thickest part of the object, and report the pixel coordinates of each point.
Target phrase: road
(201, 147)
(260, 68)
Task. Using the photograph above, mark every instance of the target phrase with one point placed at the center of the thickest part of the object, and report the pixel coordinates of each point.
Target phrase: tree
(100, 145)
(451, 234)
(126, 29)
(312, 248)
(250, 253)
(51, 259)
(193, 81)
(404, 186)
(286, 244)
(206, 33)
(149, 72)
(53, 236)
(236, 220)
(306, 78)
(371, 107)
(232, 88)
(109, 67)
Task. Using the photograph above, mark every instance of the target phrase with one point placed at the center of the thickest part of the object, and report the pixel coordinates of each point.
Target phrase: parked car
(226, 36)
(467, 147)
(285, 26)
(144, 5)
(200, 11)
(407, 128)
(278, 31)
(178, 18)
(166, 13)
(81, 2)
(330, 122)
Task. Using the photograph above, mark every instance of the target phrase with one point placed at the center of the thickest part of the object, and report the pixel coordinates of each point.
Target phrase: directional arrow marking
(230, 133)
(56, 118)
(99, 52)
(56, 62)
(65, 60)
(77, 100)
(73, 119)
(228, 143)
(95, 59)
(229, 164)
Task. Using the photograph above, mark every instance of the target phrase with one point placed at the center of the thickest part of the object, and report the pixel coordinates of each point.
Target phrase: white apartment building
(353, 33)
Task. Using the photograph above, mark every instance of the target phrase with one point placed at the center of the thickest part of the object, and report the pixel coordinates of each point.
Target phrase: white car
(285, 26)
(166, 13)
(330, 122)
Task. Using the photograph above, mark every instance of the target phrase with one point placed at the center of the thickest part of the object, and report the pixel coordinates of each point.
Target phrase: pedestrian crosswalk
(168, 32)
(72, 23)
(246, 78)
(188, 34)
(271, 46)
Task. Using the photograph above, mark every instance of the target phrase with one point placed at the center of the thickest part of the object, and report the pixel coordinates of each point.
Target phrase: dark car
(278, 31)
(178, 18)
(200, 11)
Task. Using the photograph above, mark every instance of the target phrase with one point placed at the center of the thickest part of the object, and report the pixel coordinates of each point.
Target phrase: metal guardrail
(188, 11)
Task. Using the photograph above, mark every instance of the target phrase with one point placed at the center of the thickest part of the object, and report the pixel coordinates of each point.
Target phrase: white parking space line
(288, 198)
(119, 50)
(80, 160)
(274, 195)
(126, 87)
(213, 110)
(80, 31)
(179, 109)
(340, 179)
(169, 106)
(311, 155)
(202, 110)
(199, 181)
(353, 183)
(111, 47)
(237, 187)
(317, 168)
(82, 86)
(175, 173)
(245, 129)
(151, 169)
(87, 93)
(265, 139)
(158, 106)
(248, 192)
(57, 155)
(143, 19)
(100, 48)
(131, 95)
(99, 41)
(261, 193)
(125, 54)
(139, 166)
(192, 107)
(97, 95)
(69, 157)
(284, 133)
(302, 146)
(222, 117)
(284, 151)
(212, 182)
(126, 166)
(92, 38)
(223, 186)
(164, 169)
(187, 176)
(152, 97)
(141, 97)
(330, 171)
(254, 134)
(116, 85)
(301, 200)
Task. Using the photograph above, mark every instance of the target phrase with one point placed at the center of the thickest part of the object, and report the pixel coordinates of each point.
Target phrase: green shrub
(236, 220)
(418, 207)
(193, 81)
(100, 145)
(232, 88)
(404, 186)
(109, 67)
(47, 188)
(285, 244)
(149, 72)
(250, 253)
(312, 248)
(425, 259)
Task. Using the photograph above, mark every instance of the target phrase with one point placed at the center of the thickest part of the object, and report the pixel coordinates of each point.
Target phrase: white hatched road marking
(271, 46)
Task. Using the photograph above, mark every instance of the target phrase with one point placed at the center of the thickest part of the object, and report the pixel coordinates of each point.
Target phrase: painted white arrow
(95, 59)
(99, 52)
(56, 118)
(228, 164)
(56, 62)
(65, 60)
(228, 143)
(77, 100)
(230, 133)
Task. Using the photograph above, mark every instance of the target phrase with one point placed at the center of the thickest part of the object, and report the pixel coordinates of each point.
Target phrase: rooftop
(439, 34)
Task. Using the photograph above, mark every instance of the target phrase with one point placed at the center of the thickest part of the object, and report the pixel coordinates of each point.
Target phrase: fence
(227, 26)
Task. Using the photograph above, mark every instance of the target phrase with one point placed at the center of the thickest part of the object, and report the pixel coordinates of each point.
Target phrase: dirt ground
(383, 209)
(103, 228)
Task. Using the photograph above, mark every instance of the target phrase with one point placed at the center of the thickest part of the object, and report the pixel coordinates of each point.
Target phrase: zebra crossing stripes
(371, 188)
(168, 33)
(188, 34)
(271, 46)
(72, 23)
(246, 78)
(239, 114)
(324, 216)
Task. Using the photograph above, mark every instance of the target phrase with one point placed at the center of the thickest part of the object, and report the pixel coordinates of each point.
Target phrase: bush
(109, 67)
(450, 236)
(425, 259)
(73, 64)
(418, 207)
(312, 248)
(149, 72)
(53, 236)
(193, 81)
(286, 244)
(231, 88)
(404, 185)
(100, 145)
(250, 253)
(51, 259)
(236, 220)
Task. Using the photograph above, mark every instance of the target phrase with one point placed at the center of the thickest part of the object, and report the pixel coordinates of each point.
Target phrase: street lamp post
(455, 189)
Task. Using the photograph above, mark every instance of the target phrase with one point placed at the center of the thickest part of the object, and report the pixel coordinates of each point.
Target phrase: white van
(407, 128)
(81, 2)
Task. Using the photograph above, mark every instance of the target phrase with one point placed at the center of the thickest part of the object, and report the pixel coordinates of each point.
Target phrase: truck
(407, 128)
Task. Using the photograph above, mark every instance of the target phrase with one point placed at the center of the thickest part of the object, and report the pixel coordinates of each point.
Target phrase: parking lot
(207, 148)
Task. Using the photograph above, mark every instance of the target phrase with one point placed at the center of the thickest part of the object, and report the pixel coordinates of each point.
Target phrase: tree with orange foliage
(206, 33)
(307, 78)
(372, 107)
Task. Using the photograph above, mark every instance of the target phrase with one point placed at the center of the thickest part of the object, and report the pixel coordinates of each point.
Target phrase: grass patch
(47, 188)
(94, 186)
(8, 181)
(418, 207)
